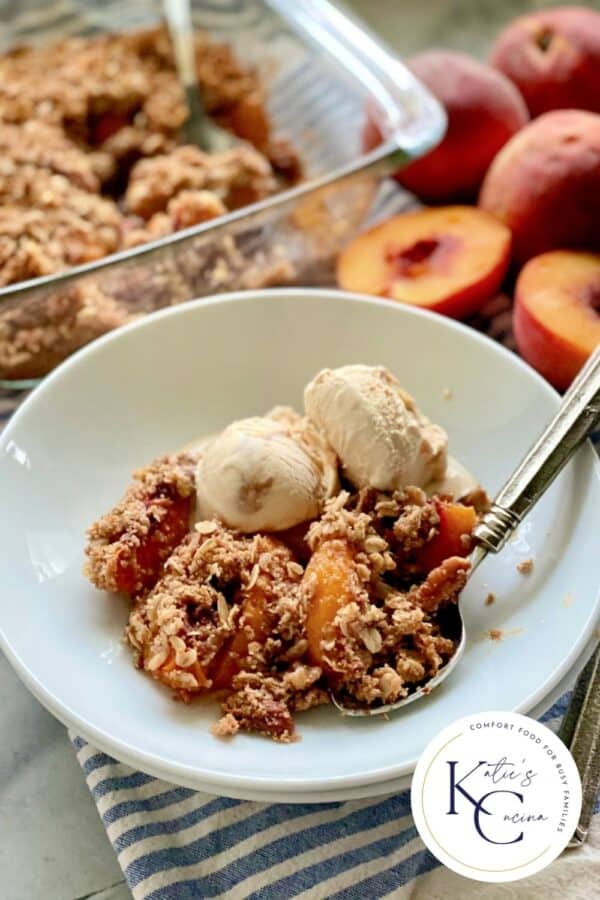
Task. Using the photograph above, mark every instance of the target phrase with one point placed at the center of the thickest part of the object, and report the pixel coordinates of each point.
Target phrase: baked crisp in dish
(291, 557)
(92, 162)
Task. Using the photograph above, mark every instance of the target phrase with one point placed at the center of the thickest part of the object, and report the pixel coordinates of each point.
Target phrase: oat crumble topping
(215, 610)
(91, 163)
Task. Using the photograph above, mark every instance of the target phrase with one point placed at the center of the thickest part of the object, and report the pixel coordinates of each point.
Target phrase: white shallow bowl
(67, 455)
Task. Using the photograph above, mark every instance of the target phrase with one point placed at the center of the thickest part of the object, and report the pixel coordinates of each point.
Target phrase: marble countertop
(52, 842)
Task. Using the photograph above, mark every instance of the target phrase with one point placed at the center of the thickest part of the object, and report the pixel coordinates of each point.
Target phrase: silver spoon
(198, 128)
(576, 417)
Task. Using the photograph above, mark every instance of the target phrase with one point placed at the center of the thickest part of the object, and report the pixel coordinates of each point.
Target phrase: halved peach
(253, 625)
(330, 574)
(450, 259)
(557, 313)
(456, 524)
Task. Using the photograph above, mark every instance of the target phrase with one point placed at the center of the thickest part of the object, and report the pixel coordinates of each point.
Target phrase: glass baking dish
(321, 68)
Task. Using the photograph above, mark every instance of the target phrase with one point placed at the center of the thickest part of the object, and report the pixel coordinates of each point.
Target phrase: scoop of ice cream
(265, 474)
(381, 438)
(455, 481)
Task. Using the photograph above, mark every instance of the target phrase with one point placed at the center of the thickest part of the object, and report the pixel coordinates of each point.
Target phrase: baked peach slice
(448, 259)
(258, 615)
(557, 313)
(452, 538)
(254, 625)
(330, 576)
(128, 546)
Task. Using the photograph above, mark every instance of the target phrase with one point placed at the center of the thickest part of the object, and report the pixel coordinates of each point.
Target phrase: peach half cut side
(449, 259)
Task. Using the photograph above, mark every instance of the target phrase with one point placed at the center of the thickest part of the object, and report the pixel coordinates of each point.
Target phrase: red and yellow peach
(449, 259)
(545, 184)
(553, 57)
(557, 313)
(484, 110)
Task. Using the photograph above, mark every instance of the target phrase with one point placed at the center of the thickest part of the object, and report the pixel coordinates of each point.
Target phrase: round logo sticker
(496, 796)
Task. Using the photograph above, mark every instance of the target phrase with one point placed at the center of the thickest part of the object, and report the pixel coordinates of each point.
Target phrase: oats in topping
(91, 163)
(352, 595)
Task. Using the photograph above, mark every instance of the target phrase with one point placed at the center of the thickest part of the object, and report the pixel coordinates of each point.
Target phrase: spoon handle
(576, 417)
(179, 21)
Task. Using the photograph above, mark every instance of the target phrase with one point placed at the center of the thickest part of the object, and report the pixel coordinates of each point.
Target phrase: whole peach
(484, 110)
(545, 184)
(553, 57)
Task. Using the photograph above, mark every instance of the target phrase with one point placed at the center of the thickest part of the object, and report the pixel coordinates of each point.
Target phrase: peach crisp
(291, 558)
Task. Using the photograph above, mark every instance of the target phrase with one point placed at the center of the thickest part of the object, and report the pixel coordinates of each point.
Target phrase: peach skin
(545, 184)
(557, 313)
(449, 259)
(553, 57)
(484, 110)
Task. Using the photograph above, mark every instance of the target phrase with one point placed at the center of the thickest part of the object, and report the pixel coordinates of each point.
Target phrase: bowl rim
(192, 775)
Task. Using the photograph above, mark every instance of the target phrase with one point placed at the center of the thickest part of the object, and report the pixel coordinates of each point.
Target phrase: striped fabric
(173, 843)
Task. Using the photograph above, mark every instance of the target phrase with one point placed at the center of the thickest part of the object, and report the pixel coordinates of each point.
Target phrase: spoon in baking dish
(576, 417)
(198, 128)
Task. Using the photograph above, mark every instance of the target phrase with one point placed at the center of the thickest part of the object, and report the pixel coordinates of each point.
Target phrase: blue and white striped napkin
(173, 843)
